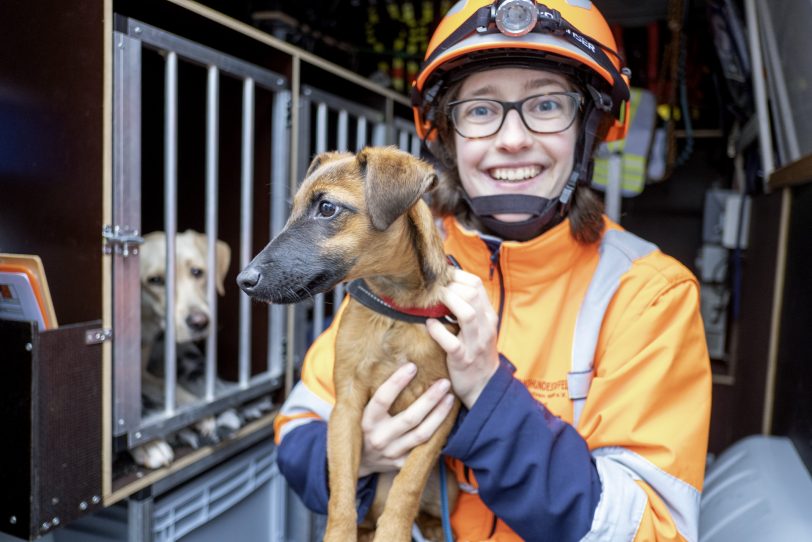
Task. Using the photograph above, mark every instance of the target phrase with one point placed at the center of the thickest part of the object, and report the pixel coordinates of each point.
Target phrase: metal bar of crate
(379, 134)
(361, 133)
(212, 205)
(342, 137)
(415, 148)
(342, 131)
(127, 212)
(170, 223)
(321, 146)
(246, 223)
(403, 140)
(279, 192)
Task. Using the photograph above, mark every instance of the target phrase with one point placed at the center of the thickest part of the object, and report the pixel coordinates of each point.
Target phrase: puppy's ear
(394, 182)
(428, 245)
(320, 159)
(223, 258)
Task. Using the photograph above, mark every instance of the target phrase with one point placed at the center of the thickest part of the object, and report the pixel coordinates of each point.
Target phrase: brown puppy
(362, 216)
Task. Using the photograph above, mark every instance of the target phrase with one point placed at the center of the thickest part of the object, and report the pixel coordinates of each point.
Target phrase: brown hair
(586, 210)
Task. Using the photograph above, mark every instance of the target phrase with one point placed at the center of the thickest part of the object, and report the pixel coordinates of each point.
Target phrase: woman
(581, 357)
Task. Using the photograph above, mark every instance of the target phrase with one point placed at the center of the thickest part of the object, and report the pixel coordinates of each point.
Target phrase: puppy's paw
(188, 437)
(207, 428)
(228, 423)
(154, 454)
(254, 411)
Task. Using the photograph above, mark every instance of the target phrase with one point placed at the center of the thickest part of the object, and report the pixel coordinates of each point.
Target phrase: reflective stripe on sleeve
(620, 507)
(623, 502)
(303, 406)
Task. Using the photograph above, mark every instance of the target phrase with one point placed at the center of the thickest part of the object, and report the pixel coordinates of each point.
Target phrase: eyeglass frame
(507, 107)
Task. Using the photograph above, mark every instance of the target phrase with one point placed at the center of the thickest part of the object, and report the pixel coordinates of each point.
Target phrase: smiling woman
(571, 330)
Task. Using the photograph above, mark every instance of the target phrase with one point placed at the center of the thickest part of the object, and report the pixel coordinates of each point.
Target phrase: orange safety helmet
(568, 35)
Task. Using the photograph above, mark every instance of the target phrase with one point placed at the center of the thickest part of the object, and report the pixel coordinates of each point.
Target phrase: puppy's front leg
(344, 441)
(402, 505)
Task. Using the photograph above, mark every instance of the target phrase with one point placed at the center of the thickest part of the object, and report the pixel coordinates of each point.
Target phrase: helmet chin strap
(543, 214)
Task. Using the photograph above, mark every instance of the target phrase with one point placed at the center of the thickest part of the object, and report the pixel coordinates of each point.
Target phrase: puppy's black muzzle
(248, 279)
(292, 268)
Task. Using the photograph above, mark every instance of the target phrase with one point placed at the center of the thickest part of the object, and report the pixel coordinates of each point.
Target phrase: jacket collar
(538, 260)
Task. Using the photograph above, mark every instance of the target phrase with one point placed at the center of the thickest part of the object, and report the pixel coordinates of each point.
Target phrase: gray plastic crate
(757, 490)
(244, 496)
(242, 499)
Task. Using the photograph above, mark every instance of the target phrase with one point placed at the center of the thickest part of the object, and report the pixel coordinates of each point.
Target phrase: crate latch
(121, 240)
(98, 335)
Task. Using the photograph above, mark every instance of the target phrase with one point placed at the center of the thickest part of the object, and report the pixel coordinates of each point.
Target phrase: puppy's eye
(155, 280)
(327, 209)
(196, 272)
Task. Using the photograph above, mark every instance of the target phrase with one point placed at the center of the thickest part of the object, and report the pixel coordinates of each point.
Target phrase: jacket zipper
(495, 265)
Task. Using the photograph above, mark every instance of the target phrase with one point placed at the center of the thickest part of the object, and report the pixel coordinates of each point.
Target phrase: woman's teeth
(515, 174)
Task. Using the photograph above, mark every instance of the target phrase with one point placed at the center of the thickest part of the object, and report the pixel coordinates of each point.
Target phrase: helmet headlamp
(516, 17)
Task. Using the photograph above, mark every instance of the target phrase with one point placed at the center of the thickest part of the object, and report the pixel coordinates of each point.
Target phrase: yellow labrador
(191, 319)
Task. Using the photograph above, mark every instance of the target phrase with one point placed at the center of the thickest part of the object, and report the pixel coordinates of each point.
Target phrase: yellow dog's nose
(197, 321)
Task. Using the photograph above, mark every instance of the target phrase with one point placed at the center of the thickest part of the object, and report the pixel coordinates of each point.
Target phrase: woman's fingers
(384, 397)
(447, 340)
(383, 434)
(464, 277)
(416, 413)
(424, 431)
(461, 307)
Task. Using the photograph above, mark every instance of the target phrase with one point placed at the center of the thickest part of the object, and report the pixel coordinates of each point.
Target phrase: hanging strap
(618, 251)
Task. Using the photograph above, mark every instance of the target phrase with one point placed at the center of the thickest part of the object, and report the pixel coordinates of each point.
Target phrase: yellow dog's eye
(196, 272)
(156, 280)
(327, 209)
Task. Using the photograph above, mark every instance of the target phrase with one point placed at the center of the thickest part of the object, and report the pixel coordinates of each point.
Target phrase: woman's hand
(389, 439)
(471, 354)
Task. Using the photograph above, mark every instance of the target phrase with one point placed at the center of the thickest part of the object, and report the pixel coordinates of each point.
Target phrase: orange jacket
(644, 420)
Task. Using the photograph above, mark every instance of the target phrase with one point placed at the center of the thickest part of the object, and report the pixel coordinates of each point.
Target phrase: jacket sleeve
(300, 431)
(633, 470)
(647, 415)
(533, 470)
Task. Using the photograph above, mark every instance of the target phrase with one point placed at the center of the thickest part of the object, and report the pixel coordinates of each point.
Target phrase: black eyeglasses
(542, 113)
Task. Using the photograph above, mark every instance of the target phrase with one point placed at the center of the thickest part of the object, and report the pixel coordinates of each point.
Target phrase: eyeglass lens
(542, 113)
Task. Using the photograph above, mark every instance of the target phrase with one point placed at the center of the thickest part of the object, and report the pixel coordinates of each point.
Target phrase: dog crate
(130, 117)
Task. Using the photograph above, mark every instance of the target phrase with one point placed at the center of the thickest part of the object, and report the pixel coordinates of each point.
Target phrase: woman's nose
(513, 135)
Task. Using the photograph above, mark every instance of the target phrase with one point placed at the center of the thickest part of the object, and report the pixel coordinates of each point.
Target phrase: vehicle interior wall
(793, 404)
(51, 156)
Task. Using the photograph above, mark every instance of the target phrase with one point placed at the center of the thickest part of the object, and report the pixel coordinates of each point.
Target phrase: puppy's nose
(249, 278)
(197, 321)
